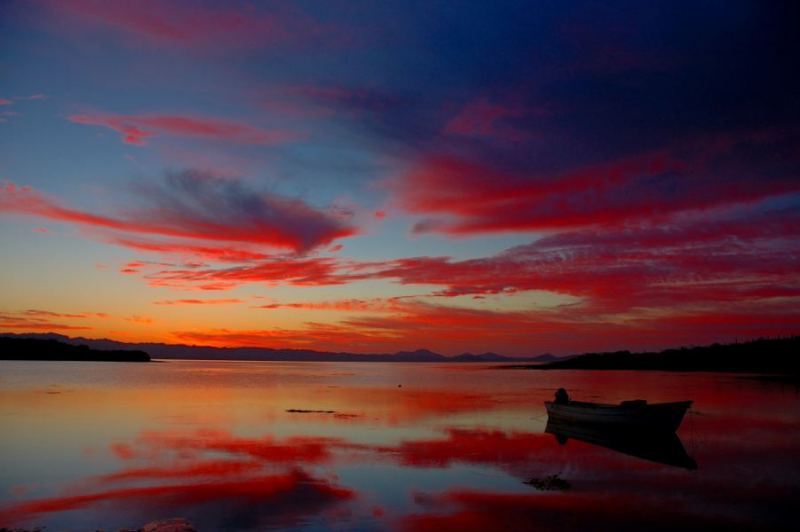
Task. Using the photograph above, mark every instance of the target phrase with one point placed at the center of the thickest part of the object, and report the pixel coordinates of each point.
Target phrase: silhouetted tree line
(764, 355)
(32, 349)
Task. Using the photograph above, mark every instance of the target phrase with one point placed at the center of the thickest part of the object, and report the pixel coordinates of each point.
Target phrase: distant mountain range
(160, 350)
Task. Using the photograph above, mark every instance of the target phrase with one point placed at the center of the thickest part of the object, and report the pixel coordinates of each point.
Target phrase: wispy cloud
(464, 196)
(137, 129)
(198, 28)
(34, 320)
(180, 302)
(201, 207)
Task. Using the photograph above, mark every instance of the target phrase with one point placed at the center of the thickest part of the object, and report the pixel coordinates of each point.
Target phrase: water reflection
(260, 446)
(221, 499)
(663, 447)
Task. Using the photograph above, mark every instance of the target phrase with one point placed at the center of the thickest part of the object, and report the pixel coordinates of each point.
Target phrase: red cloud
(466, 196)
(217, 253)
(133, 267)
(51, 314)
(21, 325)
(206, 29)
(568, 329)
(41, 320)
(140, 319)
(743, 270)
(743, 274)
(483, 199)
(173, 302)
(303, 271)
(312, 336)
(194, 205)
(405, 325)
(344, 305)
(482, 118)
(743, 257)
(136, 129)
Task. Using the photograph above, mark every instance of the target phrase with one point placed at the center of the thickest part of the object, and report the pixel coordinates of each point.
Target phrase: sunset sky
(516, 177)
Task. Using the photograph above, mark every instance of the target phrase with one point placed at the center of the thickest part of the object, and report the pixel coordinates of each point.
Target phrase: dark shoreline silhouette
(36, 349)
(764, 355)
(196, 352)
(772, 356)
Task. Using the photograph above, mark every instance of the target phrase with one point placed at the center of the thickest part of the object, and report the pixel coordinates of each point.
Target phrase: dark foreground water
(261, 445)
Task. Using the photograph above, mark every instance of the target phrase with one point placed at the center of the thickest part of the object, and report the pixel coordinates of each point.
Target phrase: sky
(515, 177)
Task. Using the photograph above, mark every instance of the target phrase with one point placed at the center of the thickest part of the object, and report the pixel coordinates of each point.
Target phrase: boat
(639, 413)
(662, 447)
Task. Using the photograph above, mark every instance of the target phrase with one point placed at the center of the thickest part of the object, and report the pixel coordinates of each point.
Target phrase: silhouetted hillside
(196, 352)
(765, 355)
(43, 349)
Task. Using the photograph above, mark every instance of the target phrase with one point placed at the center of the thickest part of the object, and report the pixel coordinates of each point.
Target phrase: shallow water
(374, 446)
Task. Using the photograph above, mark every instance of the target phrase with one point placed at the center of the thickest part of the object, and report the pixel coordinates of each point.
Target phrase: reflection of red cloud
(473, 446)
(294, 450)
(215, 467)
(211, 468)
(295, 488)
(476, 510)
(209, 465)
(411, 405)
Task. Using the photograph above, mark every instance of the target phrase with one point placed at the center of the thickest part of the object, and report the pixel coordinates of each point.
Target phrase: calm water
(390, 446)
